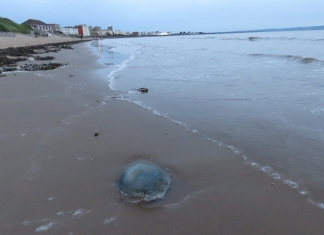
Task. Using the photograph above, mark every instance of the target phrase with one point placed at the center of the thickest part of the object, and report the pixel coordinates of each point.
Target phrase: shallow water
(259, 94)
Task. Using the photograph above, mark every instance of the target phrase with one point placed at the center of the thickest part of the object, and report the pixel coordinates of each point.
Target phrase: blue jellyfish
(144, 181)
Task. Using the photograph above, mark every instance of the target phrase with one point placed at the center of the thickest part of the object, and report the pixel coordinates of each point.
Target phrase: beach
(21, 40)
(58, 177)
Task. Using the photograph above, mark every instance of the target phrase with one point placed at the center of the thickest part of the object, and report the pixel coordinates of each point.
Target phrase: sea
(259, 94)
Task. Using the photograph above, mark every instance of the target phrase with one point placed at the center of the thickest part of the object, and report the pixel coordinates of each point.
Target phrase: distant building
(136, 33)
(154, 33)
(95, 31)
(163, 33)
(119, 32)
(107, 32)
(83, 30)
(55, 27)
(39, 25)
(70, 31)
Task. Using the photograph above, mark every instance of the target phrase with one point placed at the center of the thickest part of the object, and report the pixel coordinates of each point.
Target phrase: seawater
(259, 94)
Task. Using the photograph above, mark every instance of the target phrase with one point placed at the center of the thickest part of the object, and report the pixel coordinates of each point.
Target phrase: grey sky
(170, 15)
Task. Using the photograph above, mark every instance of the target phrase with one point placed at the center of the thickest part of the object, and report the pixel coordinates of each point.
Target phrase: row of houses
(39, 25)
(85, 30)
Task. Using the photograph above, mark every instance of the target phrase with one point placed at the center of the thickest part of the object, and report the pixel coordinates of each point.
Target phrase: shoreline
(59, 178)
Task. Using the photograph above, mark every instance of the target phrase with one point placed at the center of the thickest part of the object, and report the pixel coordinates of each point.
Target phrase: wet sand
(57, 177)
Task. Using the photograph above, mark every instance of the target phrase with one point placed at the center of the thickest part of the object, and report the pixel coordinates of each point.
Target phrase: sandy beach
(20, 40)
(57, 177)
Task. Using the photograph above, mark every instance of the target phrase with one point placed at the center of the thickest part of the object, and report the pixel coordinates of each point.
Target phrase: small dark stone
(143, 90)
(71, 76)
(96, 134)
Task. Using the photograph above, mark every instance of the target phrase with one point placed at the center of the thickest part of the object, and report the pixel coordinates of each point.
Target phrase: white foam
(255, 165)
(44, 227)
(231, 147)
(276, 176)
(26, 222)
(109, 220)
(320, 205)
(266, 169)
(303, 193)
(291, 183)
(185, 198)
(78, 212)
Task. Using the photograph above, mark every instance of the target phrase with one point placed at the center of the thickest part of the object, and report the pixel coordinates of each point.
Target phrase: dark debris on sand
(43, 57)
(36, 67)
(13, 55)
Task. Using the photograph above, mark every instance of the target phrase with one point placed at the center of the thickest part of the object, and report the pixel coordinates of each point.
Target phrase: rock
(8, 60)
(35, 67)
(9, 69)
(96, 134)
(43, 57)
(144, 181)
(66, 46)
(143, 90)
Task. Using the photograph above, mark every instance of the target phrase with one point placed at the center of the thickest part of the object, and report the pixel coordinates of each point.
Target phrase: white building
(70, 31)
(163, 33)
(83, 30)
(119, 32)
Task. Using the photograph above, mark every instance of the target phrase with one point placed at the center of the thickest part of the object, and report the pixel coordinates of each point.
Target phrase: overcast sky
(169, 15)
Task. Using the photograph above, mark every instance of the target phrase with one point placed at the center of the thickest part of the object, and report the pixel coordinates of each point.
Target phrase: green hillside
(7, 25)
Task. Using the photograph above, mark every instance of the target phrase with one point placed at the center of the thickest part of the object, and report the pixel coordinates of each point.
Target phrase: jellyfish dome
(145, 181)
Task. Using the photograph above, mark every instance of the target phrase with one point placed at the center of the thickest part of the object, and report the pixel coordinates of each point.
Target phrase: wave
(301, 59)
